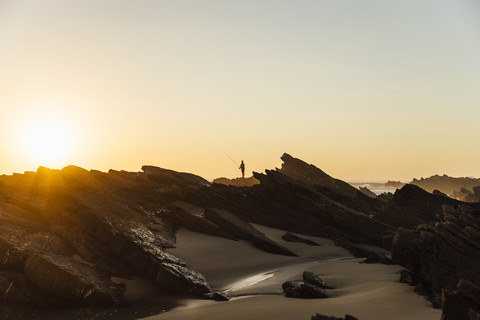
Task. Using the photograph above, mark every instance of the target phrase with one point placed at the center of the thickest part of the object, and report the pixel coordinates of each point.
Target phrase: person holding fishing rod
(242, 168)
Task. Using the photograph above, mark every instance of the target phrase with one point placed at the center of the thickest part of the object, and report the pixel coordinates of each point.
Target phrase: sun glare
(47, 143)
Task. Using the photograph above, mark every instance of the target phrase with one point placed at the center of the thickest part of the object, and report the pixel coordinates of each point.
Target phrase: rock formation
(446, 184)
(65, 233)
(237, 182)
(312, 287)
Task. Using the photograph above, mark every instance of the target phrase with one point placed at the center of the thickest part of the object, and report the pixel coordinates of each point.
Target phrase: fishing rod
(231, 159)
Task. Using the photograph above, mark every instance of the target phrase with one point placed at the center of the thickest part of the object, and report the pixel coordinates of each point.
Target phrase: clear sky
(362, 89)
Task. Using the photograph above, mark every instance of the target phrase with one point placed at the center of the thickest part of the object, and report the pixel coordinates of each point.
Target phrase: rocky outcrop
(237, 182)
(308, 173)
(443, 255)
(463, 303)
(357, 252)
(446, 184)
(81, 228)
(312, 287)
(66, 232)
(467, 195)
(367, 192)
(283, 202)
(243, 230)
(412, 206)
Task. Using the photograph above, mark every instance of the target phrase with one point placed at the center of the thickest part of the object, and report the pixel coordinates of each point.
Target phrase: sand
(254, 278)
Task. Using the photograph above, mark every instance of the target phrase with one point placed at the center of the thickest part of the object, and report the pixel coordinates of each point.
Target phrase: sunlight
(47, 142)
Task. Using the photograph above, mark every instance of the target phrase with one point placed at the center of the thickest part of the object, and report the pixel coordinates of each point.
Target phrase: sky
(369, 89)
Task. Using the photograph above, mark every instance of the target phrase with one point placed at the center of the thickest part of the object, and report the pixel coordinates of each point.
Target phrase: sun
(47, 143)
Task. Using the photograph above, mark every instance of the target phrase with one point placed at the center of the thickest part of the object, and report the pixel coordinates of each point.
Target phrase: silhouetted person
(242, 167)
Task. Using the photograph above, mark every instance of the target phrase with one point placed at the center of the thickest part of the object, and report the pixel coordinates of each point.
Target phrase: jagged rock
(79, 227)
(71, 280)
(217, 296)
(193, 218)
(421, 287)
(308, 173)
(470, 291)
(312, 287)
(457, 307)
(440, 193)
(371, 256)
(444, 253)
(290, 237)
(467, 195)
(237, 182)
(367, 192)
(300, 290)
(412, 206)
(323, 317)
(243, 230)
(446, 184)
(311, 291)
(292, 289)
(387, 239)
(313, 279)
(284, 202)
(14, 287)
(385, 197)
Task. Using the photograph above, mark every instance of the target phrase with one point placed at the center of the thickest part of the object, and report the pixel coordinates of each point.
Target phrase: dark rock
(290, 237)
(293, 289)
(440, 193)
(313, 279)
(72, 280)
(467, 195)
(217, 296)
(367, 192)
(193, 218)
(371, 256)
(14, 287)
(284, 202)
(445, 184)
(308, 173)
(457, 307)
(387, 239)
(243, 230)
(385, 197)
(408, 277)
(313, 292)
(470, 291)
(444, 253)
(312, 287)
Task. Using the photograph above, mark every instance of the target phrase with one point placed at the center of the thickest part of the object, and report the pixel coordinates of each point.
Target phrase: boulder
(315, 280)
(312, 287)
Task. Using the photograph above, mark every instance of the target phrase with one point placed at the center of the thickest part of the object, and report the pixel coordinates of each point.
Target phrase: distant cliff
(448, 185)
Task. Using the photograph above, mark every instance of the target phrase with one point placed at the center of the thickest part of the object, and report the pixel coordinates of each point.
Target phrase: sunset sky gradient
(362, 89)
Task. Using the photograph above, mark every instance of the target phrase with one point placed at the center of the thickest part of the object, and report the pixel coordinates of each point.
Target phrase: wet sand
(253, 279)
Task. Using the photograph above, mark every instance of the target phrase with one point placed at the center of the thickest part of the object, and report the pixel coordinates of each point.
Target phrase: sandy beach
(253, 279)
